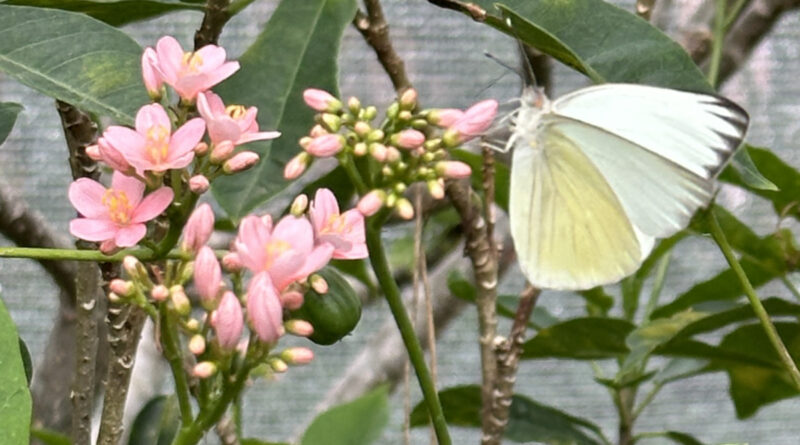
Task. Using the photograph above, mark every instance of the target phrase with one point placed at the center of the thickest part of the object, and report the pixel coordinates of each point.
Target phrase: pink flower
(445, 117)
(326, 145)
(111, 156)
(235, 123)
(150, 75)
(198, 228)
(264, 310)
(228, 321)
(152, 146)
(286, 251)
(476, 119)
(345, 232)
(207, 275)
(321, 100)
(115, 214)
(190, 73)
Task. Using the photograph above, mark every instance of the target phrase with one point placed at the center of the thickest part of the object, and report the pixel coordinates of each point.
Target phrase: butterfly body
(599, 174)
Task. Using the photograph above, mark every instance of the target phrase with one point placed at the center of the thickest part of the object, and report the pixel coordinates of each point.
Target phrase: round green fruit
(333, 314)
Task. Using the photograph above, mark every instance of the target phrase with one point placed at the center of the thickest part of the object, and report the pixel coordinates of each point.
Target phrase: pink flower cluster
(279, 256)
(144, 153)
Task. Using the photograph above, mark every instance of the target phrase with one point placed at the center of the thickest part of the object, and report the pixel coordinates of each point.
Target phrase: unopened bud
(300, 328)
(408, 139)
(179, 300)
(221, 152)
(436, 188)
(197, 344)
(408, 100)
(304, 141)
(318, 284)
(419, 124)
(404, 116)
(326, 145)
(371, 202)
(362, 128)
(297, 356)
(159, 292)
(404, 209)
(368, 113)
(192, 325)
(375, 135)
(240, 162)
(321, 100)
(299, 205)
(392, 111)
(378, 151)
(453, 169)
(296, 166)
(198, 184)
(201, 149)
(198, 228)
(204, 370)
(231, 262)
(135, 269)
(360, 149)
(332, 122)
(392, 154)
(432, 144)
(277, 365)
(121, 287)
(114, 298)
(354, 105)
(292, 300)
(444, 117)
(93, 151)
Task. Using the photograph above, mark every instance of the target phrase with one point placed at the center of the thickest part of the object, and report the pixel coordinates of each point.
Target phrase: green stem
(647, 399)
(171, 345)
(789, 285)
(716, 42)
(658, 284)
(35, 253)
(352, 172)
(755, 302)
(380, 265)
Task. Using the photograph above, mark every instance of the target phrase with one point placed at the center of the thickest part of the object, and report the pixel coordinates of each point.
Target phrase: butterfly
(598, 174)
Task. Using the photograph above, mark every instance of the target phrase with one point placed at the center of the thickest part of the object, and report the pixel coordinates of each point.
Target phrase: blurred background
(444, 54)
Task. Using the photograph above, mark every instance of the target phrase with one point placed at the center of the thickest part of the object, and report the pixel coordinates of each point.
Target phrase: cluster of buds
(409, 146)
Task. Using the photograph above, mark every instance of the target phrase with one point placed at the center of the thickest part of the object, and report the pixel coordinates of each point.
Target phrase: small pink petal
(86, 195)
(151, 116)
(130, 235)
(93, 229)
(223, 72)
(258, 136)
(152, 205)
(132, 187)
(186, 138)
(170, 57)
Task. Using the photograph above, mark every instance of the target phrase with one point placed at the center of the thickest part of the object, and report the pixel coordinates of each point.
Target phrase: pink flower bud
(318, 284)
(371, 202)
(109, 247)
(159, 293)
(477, 119)
(264, 310)
(360, 149)
(453, 169)
(292, 300)
(392, 154)
(93, 152)
(197, 344)
(114, 298)
(112, 156)
(231, 262)
(198, 228)
(135, 269)
(121, 287)
(297, 356)
(445, 117)
(378, 151)
(241, 162)
(408, 99)
(207, 276)
(221, 152)
(436, 188)
(300, 328)
(326, 145)
(408, 139)
(321, 100)
(204, 370)
(299, 205)
(179, 300)
(198, 184)
(305, 141)
(228, 321)
(150, 74)
(201, 149)
(362, 128)
(317, 131)
(404, 209)
(296, 166)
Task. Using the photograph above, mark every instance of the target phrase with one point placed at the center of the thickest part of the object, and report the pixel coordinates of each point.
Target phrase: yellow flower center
(192, 62)
(236, 111)
(274, 249)
(118, 205)
(157, 145)
(335, 224)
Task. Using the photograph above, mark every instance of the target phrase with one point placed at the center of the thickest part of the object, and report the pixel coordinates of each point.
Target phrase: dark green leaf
(748, 172)
(743, 312)
(298, 49)
(643, 340)
(529, 421)
(753, 386)
(15, 398)
(8, 115)
(720, 357)
(580, 338)
(48, 437)
(156, 423)
(261, 442)
(680, 368)
(74, 58)
(598, 302)
(114, 13)
(359, 422)
(606, 43)
(27, 363)
(681, 438)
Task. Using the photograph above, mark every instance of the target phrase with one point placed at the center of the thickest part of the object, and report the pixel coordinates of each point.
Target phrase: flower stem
(716, 42)
(755, 302)
(380, 265)
(171, 345)
(143, 254)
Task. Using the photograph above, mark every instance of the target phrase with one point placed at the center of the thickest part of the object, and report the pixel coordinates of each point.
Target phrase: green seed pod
(333, 314)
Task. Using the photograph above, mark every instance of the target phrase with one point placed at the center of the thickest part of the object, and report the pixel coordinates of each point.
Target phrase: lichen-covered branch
(86, 286)
(213, 21)
(375, 30)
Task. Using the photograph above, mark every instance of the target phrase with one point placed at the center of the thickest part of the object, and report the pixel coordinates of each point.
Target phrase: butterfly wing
(570, 230)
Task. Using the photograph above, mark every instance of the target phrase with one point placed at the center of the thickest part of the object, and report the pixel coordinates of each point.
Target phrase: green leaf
(49, 437)
(720, 357)
(298, 49)
(680, 368)
(743, 312)
(748, 172)
(606, 43)
(261, 442)
(8, 115)
(643, 340)
(751, 386)
(15, 398)
(156, 423)
(681, 438)
(73, 58)
(114, 13)
(27, 363)
(359, 422)
(580, 338)
(529, 421)
(598, 302)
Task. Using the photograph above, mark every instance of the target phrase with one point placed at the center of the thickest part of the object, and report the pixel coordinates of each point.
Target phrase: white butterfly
(600, 173)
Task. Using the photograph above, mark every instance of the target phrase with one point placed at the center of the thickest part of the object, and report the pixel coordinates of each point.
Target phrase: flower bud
(297, 356)
(300, 328)
(371, 202)
(198, 228)
(378, 151)
(135, 269)
(240, 162)
(122, 288)
(228, 321)
(392, 154)
(264, 310)
(231, 262)
(375, 135)
(326, 145)
(453, 169)
(197, 344)
(404, 209)
(408, 139)
(305, 141)
(368, 113)
(436, 188)
(317, 131)
(392, 111)
(444, 117)
(408, 100)
(362, 128)
(201, 149)
(204, 370)
(318, 284)
(292, 300)
(198, 184)
(207, 276)
(360, 149)
(159, 292)
(353, 104)
(321, 100)
(332, 122)
(476, 119)
(179, 300)
(93, 152)
(296, 166)
(150, 74)
(114, 298)
(404, 116)
(221, 152)
(299, 205)
(192, 325)
(111, 156)
(277, 365)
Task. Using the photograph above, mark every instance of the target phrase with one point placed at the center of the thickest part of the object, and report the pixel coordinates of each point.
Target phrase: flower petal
(152, 205)
(251, 241)
(127, 142)
(296, 231)
(86, 195)
(186, 138)
(93, 229)
(170, 58)
(150, 116)
(260, 136)
(211, 56)
(130, 235)
(132, 187)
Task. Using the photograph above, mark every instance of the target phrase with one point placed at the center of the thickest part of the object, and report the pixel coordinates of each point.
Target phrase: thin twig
(213, 20)
(375, 30)
(476, 12)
